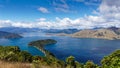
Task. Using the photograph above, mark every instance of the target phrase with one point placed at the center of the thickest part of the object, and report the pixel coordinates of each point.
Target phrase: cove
(82, 49)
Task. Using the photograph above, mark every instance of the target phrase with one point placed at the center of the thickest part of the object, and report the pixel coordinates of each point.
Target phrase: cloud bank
(108, 14)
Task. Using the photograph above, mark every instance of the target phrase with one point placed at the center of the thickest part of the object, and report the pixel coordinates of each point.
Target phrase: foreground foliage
(111, 61)
(14, 54)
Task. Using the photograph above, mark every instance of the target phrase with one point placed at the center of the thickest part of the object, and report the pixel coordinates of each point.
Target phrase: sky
(59, 14)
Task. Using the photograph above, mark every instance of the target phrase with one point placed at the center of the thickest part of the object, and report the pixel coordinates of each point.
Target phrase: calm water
(82, 49)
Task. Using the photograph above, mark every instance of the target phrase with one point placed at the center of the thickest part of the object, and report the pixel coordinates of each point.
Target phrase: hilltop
(100, 33)
(9, 35)
(111, 33)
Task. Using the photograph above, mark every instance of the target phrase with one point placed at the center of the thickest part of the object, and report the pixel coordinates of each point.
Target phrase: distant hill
(9, 35)
(67, 31)
(18, 29)
(108, 33)
(115, 29)
(22, 30)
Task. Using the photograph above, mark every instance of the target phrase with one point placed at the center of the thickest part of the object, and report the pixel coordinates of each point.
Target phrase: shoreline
(41, 46)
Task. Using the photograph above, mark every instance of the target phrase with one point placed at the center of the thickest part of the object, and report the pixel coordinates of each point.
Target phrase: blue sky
(27, 10)
(60, 14)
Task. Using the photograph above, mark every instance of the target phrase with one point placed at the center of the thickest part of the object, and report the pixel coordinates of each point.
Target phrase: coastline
(41, 47)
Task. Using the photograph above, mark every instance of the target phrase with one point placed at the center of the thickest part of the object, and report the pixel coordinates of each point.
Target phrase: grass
(4, 64)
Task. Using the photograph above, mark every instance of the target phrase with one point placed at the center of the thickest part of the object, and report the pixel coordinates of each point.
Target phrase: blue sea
(83, 49)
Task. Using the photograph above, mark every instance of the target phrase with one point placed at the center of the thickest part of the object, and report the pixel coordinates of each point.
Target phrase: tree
(90, 64)
(24, 56)
(79, 65)
(71, 62)
(111, 61)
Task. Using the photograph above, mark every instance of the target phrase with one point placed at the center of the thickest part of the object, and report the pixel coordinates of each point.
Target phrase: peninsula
(41, 43)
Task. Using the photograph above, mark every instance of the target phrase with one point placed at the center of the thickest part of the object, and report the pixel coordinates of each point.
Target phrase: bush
(13, 53)
(111, 61)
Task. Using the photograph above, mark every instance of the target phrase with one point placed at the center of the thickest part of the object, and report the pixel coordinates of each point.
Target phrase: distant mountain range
(66, 31)
(115, 29)
(22, 30)
(9, 35)
(18, 29)
(111, 33)
(101, 33)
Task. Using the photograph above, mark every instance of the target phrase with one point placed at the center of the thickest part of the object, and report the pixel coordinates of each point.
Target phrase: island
(9, 35)
(49, 57)
(40, 44)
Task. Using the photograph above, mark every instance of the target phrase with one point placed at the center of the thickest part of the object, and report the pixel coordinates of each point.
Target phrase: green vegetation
(40, 45)
(49, 58)
(14, 54)
(111, 61)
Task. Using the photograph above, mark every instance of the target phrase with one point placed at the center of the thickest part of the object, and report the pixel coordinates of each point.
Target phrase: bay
(83, 49)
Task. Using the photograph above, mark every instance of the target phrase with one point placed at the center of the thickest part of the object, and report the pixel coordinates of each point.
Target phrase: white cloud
(41, 19)
(5, 23)
(90, 2)
(23, 25)
(9, 23)
(43, 10)
(110, 9)
(108, 15)
(61, 9)
(61, 5)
